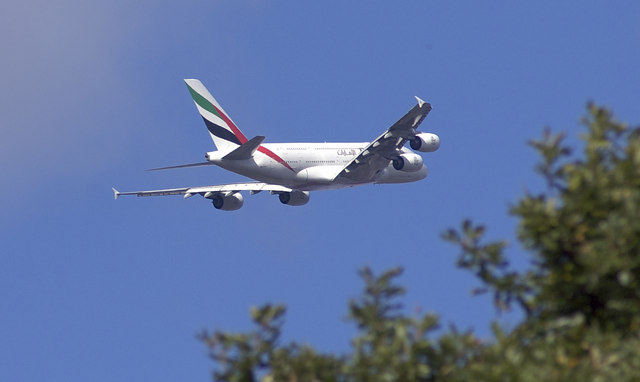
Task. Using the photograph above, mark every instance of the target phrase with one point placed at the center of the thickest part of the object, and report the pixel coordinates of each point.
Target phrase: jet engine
(226, 201)
(408, 162)
(294, 198)
(425, 142)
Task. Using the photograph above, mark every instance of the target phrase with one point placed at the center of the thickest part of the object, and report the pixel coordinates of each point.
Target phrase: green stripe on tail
(203, 103)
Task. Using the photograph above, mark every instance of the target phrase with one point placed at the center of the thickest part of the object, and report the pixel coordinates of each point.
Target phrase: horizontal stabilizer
(182, 166)
(246, 150)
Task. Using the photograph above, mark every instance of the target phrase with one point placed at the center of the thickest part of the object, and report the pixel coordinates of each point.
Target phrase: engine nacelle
(408, 162)
(294, 198)
(226, 201)
(425, 142)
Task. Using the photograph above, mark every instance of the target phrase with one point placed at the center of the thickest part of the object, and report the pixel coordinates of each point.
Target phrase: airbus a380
(292, 170)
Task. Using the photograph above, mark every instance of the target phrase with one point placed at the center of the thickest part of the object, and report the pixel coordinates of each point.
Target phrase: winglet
(420, 102)
(116, 193)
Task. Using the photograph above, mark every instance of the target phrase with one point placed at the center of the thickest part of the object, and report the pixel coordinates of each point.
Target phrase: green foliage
(587, 238)
(390, 346)
(394, 347)
(580, 295)
(246, 356)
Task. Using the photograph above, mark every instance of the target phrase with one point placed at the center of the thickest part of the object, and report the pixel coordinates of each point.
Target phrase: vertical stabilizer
(225, 134)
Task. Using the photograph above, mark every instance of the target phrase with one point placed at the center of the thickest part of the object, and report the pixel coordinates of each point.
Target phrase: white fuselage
(310, 166)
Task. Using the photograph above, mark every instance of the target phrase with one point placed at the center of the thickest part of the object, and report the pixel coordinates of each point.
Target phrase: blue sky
(92, 94)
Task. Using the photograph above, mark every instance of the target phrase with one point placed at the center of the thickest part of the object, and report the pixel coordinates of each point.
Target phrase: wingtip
(420, 101)
(116, 193)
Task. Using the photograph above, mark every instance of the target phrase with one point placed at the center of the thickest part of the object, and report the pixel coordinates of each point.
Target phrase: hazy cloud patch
(59, 79)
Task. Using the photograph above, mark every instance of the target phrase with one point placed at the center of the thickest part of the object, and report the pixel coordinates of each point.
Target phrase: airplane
(293, 170)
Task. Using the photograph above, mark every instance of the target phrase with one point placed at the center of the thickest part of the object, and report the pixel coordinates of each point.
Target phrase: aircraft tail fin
(225, 134)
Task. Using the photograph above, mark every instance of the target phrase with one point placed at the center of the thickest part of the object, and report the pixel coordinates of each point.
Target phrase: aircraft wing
(383, 149)
(254, 187)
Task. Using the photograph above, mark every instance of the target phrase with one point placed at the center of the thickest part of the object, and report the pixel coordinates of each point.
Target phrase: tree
(580, 296)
